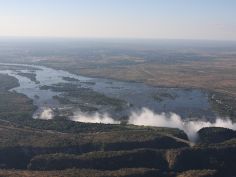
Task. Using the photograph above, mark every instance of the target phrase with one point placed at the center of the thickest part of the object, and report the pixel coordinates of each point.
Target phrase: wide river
(188, 103)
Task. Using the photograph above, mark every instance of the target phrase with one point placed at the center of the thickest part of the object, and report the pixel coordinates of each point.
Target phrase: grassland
(201, 64)
(211, 69)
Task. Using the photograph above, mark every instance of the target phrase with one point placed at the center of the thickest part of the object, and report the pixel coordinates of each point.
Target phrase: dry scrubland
(207, 65)
(214, 74)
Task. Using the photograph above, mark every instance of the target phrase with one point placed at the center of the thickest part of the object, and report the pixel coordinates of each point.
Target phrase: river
(188, 103)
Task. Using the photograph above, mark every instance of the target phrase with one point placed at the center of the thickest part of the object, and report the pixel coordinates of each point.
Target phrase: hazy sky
(183, 19)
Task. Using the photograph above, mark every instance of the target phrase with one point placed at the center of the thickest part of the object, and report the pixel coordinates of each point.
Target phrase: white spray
(172, 120)
(44, 113)
(94, 118)
(147, 117)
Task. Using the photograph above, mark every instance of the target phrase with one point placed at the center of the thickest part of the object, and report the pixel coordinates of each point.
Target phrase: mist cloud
(94, 118)
(146, 117)
(45, 113)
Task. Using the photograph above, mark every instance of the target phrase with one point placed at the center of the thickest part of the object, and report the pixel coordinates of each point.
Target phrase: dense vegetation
(7, 82)
(216, 135)
(13, 106)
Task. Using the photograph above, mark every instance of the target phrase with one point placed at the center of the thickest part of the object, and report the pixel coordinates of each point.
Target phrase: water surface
(188, 103)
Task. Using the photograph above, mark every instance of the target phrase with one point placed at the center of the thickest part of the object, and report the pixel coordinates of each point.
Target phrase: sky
(154, 19)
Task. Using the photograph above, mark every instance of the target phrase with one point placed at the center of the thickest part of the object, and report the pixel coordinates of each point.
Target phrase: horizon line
(116, 38)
